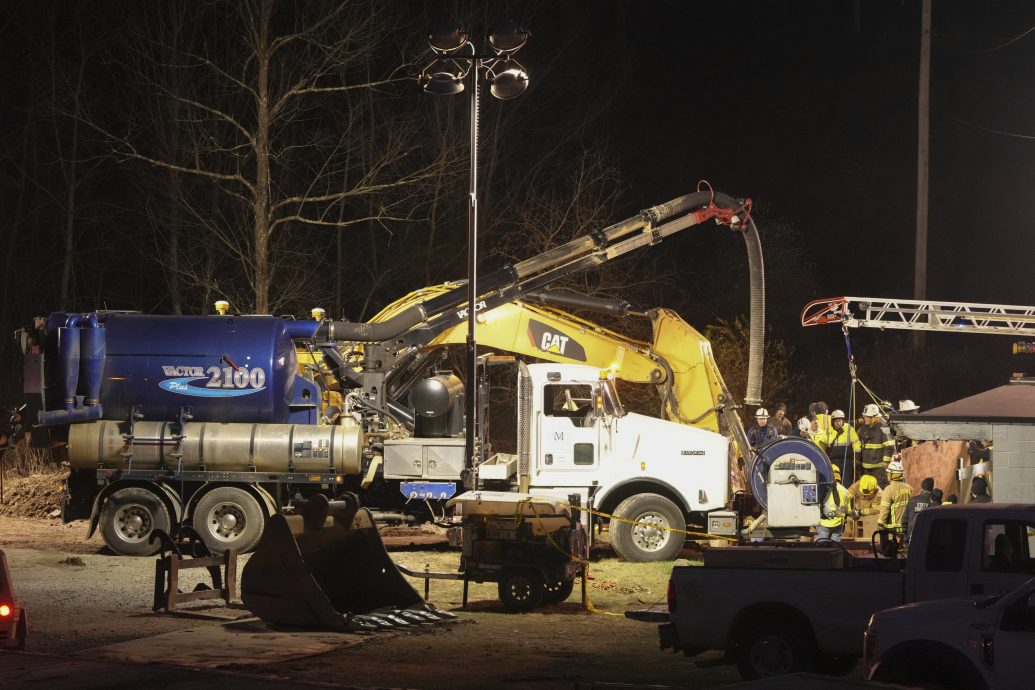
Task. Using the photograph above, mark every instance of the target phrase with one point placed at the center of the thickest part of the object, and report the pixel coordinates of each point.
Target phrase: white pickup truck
(776, 609)
(971, 643)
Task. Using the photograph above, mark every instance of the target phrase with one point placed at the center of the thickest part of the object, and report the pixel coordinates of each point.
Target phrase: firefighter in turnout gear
(836, 507)
(841, 444)
(894, 499)
(877, 447)
(865, 497)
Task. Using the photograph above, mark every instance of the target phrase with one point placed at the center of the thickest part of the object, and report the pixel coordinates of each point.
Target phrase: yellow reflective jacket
(834, 511)
(893, 501)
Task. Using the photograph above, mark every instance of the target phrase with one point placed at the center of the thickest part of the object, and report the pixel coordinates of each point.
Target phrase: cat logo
(543, 338)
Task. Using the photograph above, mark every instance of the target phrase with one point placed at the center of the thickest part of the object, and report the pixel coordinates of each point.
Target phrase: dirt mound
(35, 496)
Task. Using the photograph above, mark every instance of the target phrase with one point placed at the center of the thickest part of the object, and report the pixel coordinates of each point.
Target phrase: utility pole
(922, 164)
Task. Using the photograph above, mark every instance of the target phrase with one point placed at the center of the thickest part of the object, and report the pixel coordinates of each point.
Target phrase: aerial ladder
(921, 315)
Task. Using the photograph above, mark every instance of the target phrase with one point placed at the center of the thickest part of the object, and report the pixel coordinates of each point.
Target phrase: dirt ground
(83, 601)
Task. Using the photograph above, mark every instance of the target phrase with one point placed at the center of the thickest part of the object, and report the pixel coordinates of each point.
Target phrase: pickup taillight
(671, 596)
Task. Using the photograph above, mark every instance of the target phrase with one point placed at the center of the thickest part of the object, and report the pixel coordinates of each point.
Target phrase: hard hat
(804, 424)
(895, 467)
(761, 412)
(868, 483)
(837, 471)
(871, 410)
(837, 414)
(907, 406)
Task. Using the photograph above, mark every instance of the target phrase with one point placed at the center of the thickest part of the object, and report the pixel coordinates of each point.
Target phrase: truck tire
(521, 589)
(773, 647)
(639, 543)
(556, 592)
(129, 517)
(228, 518)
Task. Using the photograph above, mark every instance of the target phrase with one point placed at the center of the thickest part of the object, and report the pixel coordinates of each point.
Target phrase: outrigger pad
(328, 568)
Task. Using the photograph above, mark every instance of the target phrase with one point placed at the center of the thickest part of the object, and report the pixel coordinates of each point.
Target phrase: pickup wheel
(646, 537)
(129, 517)
(774, 648)
(929, 667)
(228, 518)
(520, 589)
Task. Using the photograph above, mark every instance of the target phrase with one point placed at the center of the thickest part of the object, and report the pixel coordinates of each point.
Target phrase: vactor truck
(221, 421)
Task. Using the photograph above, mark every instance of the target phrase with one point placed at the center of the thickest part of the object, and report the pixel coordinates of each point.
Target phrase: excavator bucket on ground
(328, 568)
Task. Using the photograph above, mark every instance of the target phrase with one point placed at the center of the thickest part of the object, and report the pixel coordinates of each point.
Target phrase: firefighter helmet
(871, 410)
(761, 412)
(837, 414)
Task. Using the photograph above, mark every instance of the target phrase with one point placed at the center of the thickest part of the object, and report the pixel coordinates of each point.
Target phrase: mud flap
(328, 568)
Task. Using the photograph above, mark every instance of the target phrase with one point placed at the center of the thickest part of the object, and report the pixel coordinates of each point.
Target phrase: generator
(533, 547)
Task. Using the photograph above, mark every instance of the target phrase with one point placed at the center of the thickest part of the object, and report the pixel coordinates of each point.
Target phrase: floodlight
(510, 83)
(443, 83)
(447, 37)
(509, 37)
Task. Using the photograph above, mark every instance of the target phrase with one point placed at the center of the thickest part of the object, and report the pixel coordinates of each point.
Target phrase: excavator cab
(328, 568)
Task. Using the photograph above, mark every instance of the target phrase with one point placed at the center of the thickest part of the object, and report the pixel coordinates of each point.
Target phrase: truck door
(568, 433)
(1006, 556)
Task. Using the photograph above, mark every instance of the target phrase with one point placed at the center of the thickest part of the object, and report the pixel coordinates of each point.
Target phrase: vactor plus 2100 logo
(219, 382)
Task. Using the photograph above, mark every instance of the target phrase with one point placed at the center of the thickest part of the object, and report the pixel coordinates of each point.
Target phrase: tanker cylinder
(436, 403)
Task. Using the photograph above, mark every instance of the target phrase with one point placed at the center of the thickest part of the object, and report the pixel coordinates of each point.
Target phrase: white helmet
(804, 424)
(895, 467)
(871, 410)
(907, 406)
(837, 414)
(761, 412)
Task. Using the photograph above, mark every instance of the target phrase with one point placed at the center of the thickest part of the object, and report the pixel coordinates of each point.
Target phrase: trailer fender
(167, 495)
(260, 494)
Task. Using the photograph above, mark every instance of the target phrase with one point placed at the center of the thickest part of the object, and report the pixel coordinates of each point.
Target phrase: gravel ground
(75, 609)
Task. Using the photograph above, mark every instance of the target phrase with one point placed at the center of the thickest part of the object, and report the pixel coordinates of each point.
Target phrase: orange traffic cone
(14, 627)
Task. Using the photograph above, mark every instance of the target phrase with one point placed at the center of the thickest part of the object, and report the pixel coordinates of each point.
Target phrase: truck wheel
(520, 590)
(228, 518)
(555, 593)
(650, 540)
(129, 517)
(774, 648)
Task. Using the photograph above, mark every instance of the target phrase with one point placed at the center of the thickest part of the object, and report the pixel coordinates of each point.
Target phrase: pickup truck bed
(782, 608)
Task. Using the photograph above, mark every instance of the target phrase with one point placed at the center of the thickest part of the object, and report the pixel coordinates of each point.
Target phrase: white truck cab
(639, 468)
(969, 643)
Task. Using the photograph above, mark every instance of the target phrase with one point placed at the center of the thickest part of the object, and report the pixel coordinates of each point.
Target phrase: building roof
(1012, 403)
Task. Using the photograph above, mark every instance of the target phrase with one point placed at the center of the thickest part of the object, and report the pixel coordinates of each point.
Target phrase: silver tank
(304, 448)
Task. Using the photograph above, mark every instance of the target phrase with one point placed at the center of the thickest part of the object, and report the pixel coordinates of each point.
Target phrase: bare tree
(259, 107)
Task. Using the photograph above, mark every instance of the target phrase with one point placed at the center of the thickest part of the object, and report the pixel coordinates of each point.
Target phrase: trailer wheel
(555, 593)
(521, 590)
(774, 648)
(228, 518)
(129, 517)
(647, 537)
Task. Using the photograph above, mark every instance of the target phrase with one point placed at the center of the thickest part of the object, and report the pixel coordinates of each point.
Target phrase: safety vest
(876, 446)
(893, 501)
(845, 437)
(835, 509)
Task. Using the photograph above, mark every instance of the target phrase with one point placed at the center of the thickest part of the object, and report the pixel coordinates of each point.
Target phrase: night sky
(809, 108)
